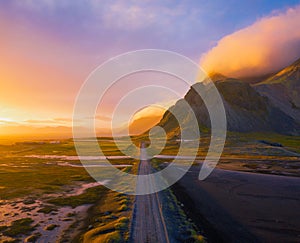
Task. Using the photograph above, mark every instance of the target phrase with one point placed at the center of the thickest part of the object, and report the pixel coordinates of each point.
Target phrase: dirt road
(148, 223)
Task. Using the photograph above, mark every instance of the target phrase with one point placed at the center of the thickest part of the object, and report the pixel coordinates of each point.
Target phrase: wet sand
(235, 206)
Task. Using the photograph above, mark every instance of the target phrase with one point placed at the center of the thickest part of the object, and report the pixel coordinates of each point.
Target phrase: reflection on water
(161, 156)
(94, 165)
(66, 157)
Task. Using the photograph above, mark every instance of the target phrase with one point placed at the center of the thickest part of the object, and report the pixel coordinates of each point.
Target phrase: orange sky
(36, 82)
(44, 61)
(41, 77)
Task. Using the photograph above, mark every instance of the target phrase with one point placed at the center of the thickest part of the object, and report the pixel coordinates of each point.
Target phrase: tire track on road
(148, 222)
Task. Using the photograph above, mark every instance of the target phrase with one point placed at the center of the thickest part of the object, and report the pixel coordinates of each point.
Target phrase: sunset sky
(48, 48)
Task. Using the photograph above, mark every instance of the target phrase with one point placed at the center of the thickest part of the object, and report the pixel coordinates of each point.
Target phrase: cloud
(62, 119)
(7, 122)
(49, 122)
(118, 14)
(40, 121)
(139, 15)
(103, 118)
(128, 17)
(268, 45)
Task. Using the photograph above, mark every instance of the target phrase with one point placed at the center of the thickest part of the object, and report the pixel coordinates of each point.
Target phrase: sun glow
(4, 120)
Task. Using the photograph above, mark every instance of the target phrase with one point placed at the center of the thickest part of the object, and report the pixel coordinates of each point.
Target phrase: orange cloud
(263, 47)
(145, 119)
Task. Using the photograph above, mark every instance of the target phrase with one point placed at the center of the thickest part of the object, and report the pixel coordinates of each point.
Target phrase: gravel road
(148, 223)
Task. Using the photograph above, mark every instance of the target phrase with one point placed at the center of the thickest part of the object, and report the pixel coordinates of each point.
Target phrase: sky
(48, 48)
(267, 45)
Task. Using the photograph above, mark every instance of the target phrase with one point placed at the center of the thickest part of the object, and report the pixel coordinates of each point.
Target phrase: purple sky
(48, 48)
(106, 28)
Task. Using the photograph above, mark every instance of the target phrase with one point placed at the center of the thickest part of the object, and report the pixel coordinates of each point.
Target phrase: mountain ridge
(249, 107)
(283, 90)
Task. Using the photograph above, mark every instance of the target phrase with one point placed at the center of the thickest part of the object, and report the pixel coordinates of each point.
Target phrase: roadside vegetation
(108, 220)
(267, 153)
(180, 228)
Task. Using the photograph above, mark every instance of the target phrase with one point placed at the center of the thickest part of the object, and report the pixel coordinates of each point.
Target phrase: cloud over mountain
(265, 46)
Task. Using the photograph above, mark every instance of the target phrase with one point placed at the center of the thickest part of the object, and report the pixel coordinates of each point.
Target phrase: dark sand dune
(243, 207)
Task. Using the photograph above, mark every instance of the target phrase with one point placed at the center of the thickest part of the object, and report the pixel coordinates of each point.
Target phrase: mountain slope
(271, 105)
(283, 90)
(246, 110)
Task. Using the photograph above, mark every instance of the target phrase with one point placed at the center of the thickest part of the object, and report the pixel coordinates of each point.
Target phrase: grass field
(43, 188)
(252, 152)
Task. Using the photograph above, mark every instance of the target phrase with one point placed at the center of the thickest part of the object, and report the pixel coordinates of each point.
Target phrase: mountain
(283, 90)
(18, 131)
(271, 105)
(250, 80)
(25, 131)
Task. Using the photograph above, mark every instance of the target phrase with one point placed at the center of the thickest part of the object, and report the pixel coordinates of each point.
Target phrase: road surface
(148, 223)
(243, 207)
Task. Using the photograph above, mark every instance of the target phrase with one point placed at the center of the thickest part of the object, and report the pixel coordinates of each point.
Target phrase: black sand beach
(231, 206)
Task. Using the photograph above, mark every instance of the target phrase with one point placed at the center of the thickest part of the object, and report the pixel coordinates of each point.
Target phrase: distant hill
(142, 124)
(46, 132)
(249, 108)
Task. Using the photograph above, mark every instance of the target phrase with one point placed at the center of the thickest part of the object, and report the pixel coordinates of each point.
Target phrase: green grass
(123, 208)
(198, 238)
(3, 227)
(113, 237)
(242, 145)
(34, 178)
(50, 227)
(245, 152)
(109, 223)
(19, 227)
(289, 142)
(66, 147)
(47, 209)
(34, 237)
(176, 220)
(90, 196)
(37, 180)
(122, 223)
